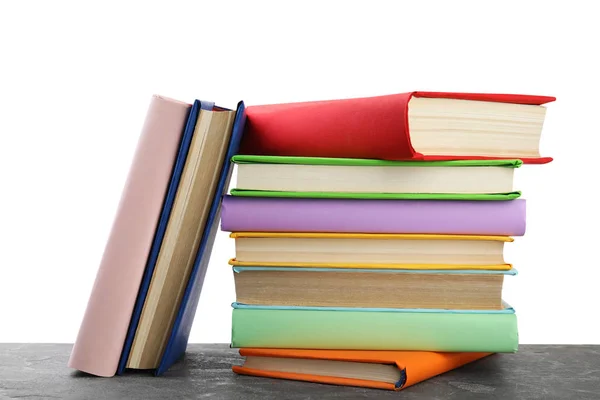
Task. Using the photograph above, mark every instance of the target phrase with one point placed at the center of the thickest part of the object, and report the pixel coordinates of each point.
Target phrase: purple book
(247, 214)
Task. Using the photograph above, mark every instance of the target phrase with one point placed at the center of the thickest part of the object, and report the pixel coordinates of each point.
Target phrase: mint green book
(314, 177)
(375, 329)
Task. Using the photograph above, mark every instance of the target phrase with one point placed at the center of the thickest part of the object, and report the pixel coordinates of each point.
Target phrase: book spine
(360, 330)
(243, 214)
(370, 127)
(109, 309)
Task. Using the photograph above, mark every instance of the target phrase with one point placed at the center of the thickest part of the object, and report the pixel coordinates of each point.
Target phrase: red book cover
(368, 127)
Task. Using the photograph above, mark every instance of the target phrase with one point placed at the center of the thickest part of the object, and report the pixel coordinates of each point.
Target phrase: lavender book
(505, 218)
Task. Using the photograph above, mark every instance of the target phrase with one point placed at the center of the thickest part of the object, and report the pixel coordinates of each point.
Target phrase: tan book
(182, 236)
(368, 288)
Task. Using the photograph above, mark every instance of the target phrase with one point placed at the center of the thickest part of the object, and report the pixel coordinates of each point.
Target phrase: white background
(76, 79)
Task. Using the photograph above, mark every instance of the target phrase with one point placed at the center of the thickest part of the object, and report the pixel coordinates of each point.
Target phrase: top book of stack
(429, 126)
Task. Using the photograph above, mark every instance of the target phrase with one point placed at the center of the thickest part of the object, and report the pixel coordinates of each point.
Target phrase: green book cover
(380, 196)
(245, 159)
(361, 329)
(248, 159)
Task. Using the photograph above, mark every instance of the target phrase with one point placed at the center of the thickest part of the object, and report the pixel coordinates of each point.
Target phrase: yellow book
(377, 251)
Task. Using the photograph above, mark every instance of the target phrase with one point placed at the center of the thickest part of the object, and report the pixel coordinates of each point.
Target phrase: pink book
(104, 326)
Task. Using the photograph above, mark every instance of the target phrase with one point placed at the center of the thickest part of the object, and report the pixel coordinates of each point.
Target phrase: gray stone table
(39, 371)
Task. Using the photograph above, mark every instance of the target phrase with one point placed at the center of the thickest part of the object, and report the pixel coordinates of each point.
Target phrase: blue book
(180, 330)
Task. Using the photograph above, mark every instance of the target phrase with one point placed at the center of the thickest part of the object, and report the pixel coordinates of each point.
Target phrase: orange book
(390, 370)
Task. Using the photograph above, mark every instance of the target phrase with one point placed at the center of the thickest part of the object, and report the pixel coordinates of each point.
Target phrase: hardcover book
(149, 281)
(171, 260)
(104, 327)
(189, 277)
(390, 370)
(370, 288)
(369, 250)
(405, 126)
(345, 328)
(496, 218)
(310, 177)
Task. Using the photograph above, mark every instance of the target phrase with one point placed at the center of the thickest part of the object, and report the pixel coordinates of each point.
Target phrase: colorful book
(311, 177)
(496, 218)
(389, 370)
(369, 250)
(406, 126)
(104, 327)
(161, 172)
(343, 328)
(182, 235)
(189, 279)
(370, 288)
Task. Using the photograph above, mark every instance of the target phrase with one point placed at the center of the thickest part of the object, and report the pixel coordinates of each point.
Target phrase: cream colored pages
(307, 287)
(340, 369)
(369, 251)
(182, 237)
(374, 179)
(100, 341)
(475, 128)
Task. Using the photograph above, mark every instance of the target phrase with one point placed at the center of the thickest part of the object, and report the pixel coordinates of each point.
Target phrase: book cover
(343, 328)
(178, 167)
(284, 160)
(415, 366)
(503, 218)
(104, 327)
(180, 332)
(369, 127)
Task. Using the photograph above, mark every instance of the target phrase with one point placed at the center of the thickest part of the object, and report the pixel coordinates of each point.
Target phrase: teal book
(334, 328)
(346, 178)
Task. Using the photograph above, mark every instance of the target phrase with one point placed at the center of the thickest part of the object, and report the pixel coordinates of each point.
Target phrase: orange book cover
(415, 366)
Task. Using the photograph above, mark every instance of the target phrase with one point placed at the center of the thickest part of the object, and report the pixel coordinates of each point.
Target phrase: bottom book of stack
(391, 370)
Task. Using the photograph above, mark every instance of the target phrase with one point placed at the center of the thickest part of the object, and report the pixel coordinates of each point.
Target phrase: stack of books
(369, 234)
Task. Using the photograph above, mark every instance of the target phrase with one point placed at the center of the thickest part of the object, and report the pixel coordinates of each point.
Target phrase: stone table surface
(39, 371)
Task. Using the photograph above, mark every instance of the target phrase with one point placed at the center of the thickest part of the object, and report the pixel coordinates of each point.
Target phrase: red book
(407, 126)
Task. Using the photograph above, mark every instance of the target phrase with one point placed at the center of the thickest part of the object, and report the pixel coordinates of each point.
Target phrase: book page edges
(315, 378)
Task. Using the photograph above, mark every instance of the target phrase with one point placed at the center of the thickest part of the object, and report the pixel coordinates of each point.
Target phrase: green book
(375, 329)
(314, 177)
